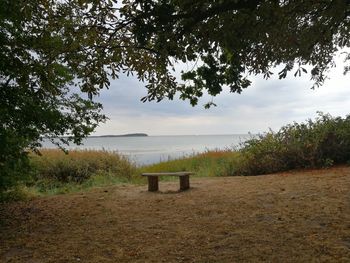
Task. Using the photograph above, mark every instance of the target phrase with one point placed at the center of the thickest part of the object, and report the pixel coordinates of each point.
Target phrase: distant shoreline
(169, 135)
(120, 135)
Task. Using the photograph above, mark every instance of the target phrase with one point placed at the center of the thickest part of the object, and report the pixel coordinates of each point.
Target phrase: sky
(265, 104)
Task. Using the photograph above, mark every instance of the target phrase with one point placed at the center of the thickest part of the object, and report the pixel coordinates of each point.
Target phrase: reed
(55, 171)
(207, 164)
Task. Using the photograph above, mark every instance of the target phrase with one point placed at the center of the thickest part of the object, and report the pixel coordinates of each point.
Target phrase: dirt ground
(288, 217)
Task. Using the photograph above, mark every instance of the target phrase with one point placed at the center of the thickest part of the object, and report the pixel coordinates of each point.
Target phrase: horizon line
(152, 135)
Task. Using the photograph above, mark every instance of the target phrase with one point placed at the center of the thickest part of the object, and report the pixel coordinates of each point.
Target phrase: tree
(228, 40)
(51, 48)
(37, 73)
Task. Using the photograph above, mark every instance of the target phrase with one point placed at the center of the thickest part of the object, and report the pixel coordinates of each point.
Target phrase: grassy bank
(319, 143)
(57, 172)
(54, 172)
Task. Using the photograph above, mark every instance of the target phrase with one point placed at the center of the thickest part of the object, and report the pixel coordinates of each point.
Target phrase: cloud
(266, 103)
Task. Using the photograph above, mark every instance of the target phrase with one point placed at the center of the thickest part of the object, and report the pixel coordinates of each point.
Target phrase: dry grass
(207, 164)
(55, 172)
(79, 165)
(288, 217)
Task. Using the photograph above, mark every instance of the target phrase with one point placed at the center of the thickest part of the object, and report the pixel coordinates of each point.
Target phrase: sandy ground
(290, 217)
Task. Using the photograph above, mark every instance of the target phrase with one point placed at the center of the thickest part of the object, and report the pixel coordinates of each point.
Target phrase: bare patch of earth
(289, 217)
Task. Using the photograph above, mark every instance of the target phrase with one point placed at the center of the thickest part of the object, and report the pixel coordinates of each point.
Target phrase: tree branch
(196, 16)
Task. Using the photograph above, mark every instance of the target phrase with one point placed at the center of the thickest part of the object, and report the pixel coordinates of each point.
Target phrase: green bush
(79, 166)
(13, 160)
(319, 143)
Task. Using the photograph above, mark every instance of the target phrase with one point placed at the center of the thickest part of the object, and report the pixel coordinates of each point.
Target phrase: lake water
(152, 149)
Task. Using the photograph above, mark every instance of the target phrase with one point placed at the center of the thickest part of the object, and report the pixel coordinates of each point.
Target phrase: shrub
(79, 166)
(13, 160)
(319, 143)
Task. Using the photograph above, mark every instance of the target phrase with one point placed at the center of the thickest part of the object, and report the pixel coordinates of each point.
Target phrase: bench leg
(184, 182)
(153, 183)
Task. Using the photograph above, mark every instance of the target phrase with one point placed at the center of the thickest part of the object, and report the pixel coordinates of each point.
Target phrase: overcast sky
(265, 104)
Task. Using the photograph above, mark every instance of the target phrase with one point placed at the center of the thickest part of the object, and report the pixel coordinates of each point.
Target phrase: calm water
(152, 149)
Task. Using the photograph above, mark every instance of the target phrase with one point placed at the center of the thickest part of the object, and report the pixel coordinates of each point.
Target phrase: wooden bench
(153, 185)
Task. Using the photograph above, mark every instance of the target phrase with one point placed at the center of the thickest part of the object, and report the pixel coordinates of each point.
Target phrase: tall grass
(55, 171)
(210, 163)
